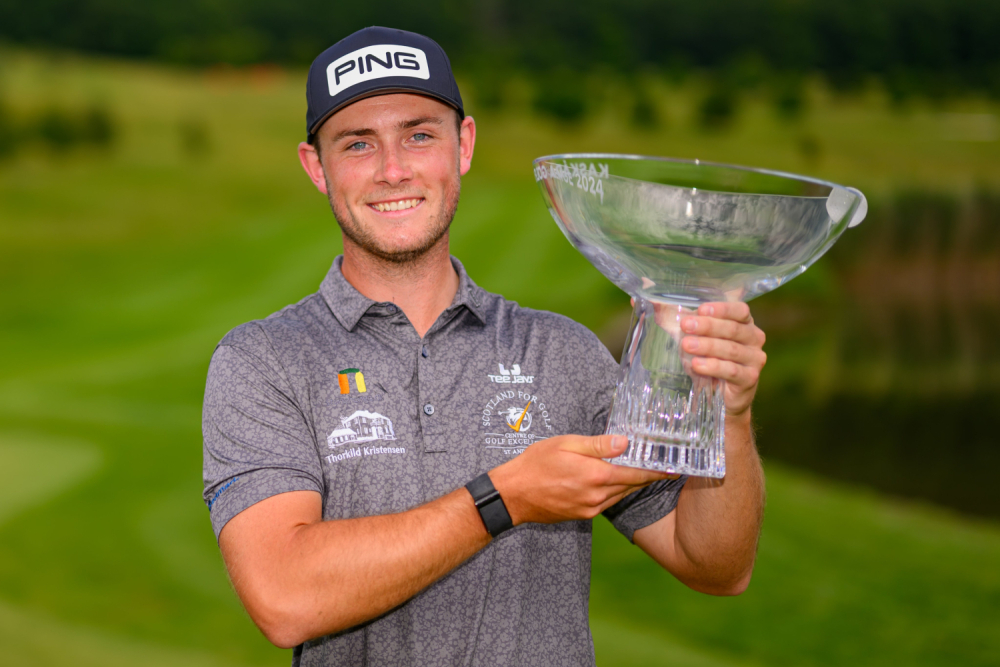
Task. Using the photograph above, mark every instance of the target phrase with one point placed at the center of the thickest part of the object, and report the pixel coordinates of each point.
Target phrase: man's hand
(726, 344)
(564, 479)
(709, 541)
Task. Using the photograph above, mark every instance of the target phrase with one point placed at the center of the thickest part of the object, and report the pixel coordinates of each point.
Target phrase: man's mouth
(398, 205)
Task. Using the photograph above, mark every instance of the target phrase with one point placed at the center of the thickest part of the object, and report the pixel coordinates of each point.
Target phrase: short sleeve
(645, 507)
(648, 505)
(257, 442)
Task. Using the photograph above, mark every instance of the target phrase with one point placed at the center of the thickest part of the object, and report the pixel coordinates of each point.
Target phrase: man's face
(391, 168)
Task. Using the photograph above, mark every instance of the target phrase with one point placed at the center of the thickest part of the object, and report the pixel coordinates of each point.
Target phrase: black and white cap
(377, 61)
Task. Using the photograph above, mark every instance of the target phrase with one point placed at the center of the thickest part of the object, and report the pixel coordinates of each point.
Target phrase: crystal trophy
(675, 234)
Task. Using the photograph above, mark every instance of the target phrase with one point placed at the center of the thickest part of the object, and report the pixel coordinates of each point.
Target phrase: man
(378, 496)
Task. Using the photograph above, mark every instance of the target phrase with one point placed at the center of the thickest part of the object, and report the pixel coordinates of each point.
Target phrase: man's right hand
(564, 479)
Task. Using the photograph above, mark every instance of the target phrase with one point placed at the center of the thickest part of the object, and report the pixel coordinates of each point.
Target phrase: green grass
(122, 269)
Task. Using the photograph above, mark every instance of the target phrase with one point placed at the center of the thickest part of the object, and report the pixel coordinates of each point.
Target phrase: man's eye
(420, 136)
(358, 146)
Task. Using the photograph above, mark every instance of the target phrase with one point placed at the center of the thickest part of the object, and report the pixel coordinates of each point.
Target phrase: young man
(378, 496)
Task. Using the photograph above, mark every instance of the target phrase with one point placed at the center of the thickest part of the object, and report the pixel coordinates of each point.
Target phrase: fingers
(598, 446)
(725, 343)
(726, 310)
(734, 373)
(630, 478)
(726, 350)
(745, 333)
(606, 447)
(608, 475)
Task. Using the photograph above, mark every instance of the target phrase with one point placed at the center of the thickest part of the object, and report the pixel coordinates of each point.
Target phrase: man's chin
(402, 245)
(396, 253)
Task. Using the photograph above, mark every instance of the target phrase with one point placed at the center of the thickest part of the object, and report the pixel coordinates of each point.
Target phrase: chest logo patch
(353, 386)
(360, 427)
(513, 419)
(344, 380)
(510, 376)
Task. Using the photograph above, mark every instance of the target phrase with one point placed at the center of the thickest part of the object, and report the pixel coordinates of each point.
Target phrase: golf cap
(377, 61)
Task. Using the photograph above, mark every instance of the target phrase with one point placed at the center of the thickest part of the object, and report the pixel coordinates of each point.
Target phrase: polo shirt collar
(349, 305)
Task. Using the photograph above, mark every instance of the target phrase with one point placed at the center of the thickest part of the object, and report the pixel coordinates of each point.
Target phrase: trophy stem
(674, 418)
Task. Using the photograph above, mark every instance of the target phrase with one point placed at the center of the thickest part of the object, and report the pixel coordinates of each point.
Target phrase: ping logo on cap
(376, 62)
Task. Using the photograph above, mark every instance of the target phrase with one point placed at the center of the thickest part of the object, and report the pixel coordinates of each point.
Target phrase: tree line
(928, 46)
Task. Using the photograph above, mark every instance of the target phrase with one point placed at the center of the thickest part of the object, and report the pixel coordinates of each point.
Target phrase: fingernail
(692, 344)
(619, 442)
(710, 310)
(689, 324)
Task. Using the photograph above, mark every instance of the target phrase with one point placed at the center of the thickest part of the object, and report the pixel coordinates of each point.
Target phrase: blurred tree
(58, 129)
(718, 108)
(789, 97)
(561, 94)
(99, 128)
(8, 132)
(644, 112)
(944, 44)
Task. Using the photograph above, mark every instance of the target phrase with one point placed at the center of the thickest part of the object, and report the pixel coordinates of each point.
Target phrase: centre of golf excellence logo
(513, 419)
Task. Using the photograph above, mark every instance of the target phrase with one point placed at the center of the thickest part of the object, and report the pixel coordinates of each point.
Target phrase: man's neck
(422, 288)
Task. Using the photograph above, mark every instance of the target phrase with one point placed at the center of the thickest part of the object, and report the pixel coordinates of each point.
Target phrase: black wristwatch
(494, 513)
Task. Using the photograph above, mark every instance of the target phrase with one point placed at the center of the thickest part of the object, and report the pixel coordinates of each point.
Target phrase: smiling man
(402, 469)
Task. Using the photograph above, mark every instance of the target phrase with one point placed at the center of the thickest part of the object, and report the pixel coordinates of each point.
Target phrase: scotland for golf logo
(508, 417)
(518, 419)
(376, 62)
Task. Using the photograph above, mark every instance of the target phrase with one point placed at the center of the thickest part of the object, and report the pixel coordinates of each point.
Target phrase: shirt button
(391, 308)
(428, 409)
(424, 352)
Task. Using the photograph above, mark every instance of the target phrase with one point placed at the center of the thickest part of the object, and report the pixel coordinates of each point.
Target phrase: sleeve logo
(376, 62)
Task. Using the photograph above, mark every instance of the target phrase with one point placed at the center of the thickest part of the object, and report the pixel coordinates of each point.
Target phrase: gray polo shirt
(338, 394)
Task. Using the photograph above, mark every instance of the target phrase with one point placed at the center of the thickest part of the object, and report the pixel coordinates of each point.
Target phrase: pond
(884, 358)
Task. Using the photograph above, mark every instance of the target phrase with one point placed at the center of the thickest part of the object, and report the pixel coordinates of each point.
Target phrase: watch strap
(491, 508)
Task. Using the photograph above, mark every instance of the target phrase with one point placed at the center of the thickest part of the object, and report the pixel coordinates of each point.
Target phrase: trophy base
(655, 453)
(674, 418)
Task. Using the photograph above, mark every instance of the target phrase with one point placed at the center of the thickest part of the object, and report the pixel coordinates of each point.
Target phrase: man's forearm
(711, 541)
(326, 576)
(300, 577)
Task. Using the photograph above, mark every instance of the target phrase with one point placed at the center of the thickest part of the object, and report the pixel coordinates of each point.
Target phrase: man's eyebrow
(404, 125)
(407, 124)
(358, 132)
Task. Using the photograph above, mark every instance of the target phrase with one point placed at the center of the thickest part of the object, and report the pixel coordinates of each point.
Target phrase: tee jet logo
(343, 377)
(511, 376)
(376, 62)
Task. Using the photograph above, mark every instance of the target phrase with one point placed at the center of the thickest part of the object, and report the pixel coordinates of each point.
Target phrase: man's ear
(309, 158)
(466, 144)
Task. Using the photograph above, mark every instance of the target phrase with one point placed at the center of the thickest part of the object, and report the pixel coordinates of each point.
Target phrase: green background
(121, 266)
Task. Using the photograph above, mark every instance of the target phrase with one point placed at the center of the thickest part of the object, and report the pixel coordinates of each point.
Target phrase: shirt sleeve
(257, 442)
(650, 504)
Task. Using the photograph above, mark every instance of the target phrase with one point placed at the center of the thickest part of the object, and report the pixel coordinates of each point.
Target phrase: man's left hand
(726, 344)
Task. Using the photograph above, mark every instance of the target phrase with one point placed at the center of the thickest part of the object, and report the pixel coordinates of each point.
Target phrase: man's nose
(393, 166)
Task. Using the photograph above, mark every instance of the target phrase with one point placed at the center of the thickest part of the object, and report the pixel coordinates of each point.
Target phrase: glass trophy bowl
(675, 234)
